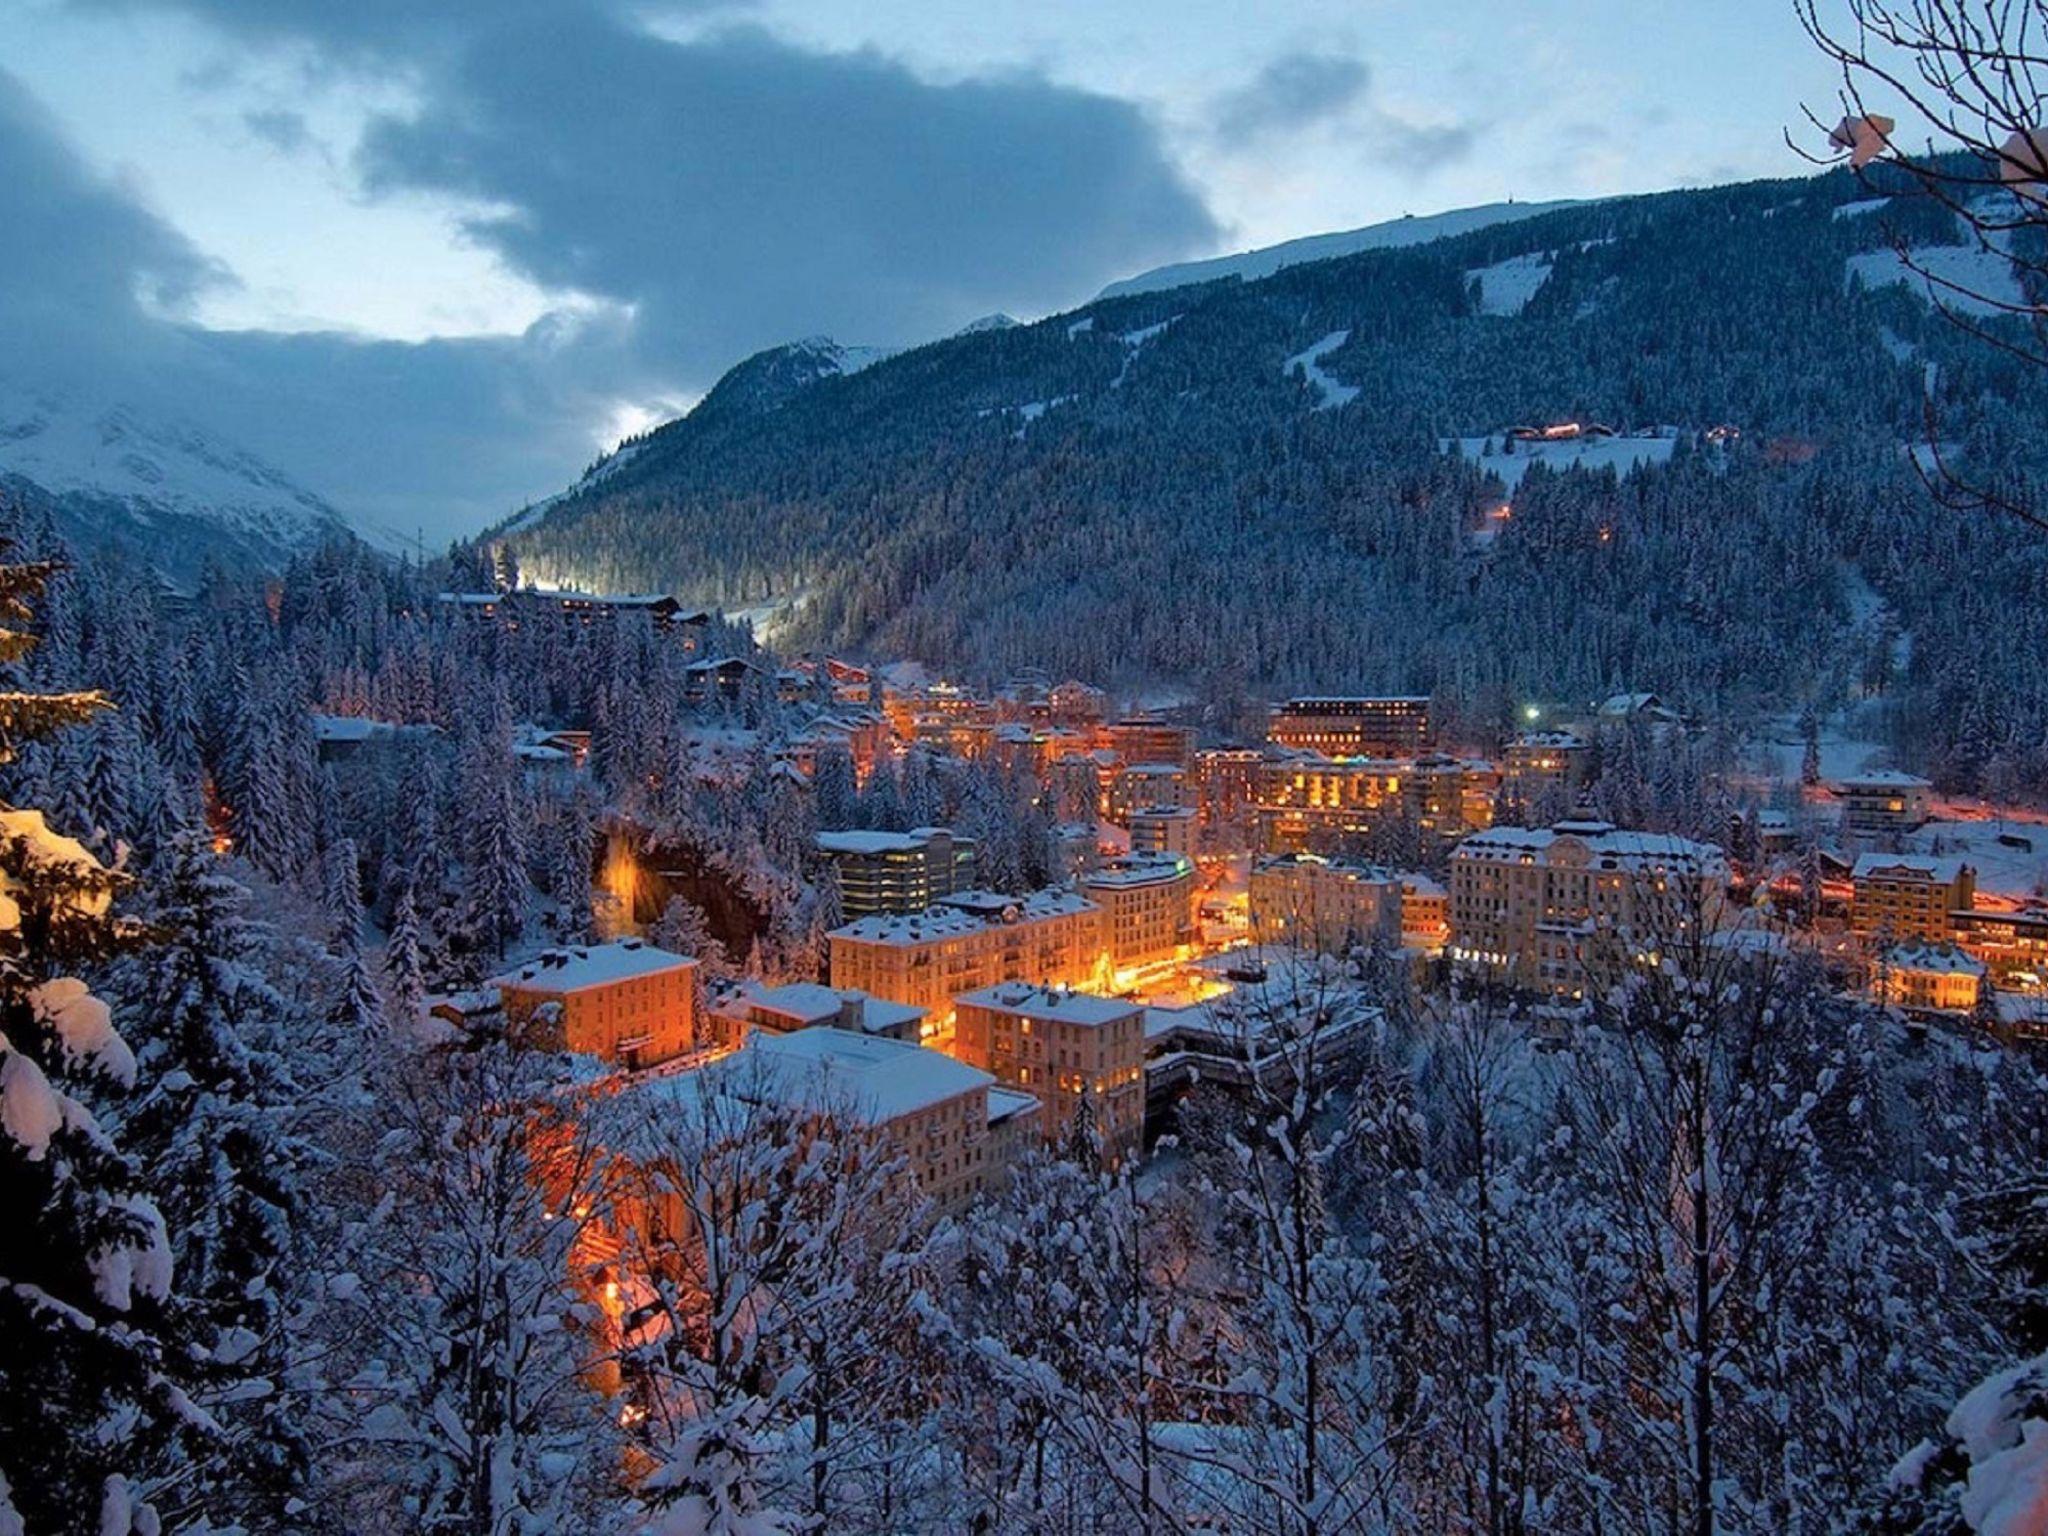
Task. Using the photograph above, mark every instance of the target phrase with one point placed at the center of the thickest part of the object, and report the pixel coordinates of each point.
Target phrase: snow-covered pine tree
(90, 1400)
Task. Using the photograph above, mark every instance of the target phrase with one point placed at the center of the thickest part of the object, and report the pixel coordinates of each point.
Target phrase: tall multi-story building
(1324, 904)
(1535, 761)
(1063, 1048)
(628, 1003)
(1388, 726)
(1884, 801)
(1901, 898)
(1560, 909)
(1223, 782)
(1163, 829)
(1142, 785)
(1150, 739)
(1147, 905)
(1425, 914)
(972, 939)
(1305, 802)
(897, 871)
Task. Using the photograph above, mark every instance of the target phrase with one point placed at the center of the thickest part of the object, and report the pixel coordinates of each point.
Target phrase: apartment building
(1388, 726)
(897, 871)
(1929, 978)
(628, 1003)
(1559, 909)
(1063, 1048)
(1163, 829)
(1305, 802)
(1150, 739)
(1535, 761)
(1325, 904)
(1425, 914)
(1139, 786)
(1147, 906)
(1876, 803)
(1223, 782)
(970, 940)
(1902, 898)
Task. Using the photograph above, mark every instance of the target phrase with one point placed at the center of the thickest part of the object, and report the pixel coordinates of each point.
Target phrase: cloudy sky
(431, 255)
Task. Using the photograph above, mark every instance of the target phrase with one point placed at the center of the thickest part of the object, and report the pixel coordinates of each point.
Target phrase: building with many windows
(1324, 904)
(1163, 829)
(1138, 786)
(972, 939)
(1559, 909)
(897, 871)
(1064, 1048)
(1305, 802)
(1150, 739)
(1147, 905)
(1901, 898)
(1929, 978)
(1387, 726)
(1535, 761)
(1884, 801)
(628, 1003)
(798, 1005)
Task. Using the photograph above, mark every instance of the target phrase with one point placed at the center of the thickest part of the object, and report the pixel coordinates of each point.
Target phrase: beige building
(1559, 909)
(1903, 898)
(1306, 802)
(1323, 904)
(1930, 978)
(1535, 761)
(1884, 801)
(1163, 829)
(1147, 905)
(971, 940)
(1140, 786)
(1387, 726)
(628, 1002)
(1062, 1047)
(1425, 914)
(1149, 739)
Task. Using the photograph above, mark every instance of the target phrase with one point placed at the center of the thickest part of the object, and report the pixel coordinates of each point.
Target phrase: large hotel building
(1557, 909)
(897, 871)
(1306, 802)
(1323, 904)
(1062, 1048)
(1147, 906)
(1353, 727)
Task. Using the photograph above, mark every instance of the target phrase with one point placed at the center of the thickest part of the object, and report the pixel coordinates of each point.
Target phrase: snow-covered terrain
(1331, 392)
(1967, 279)
(1621, 454)
(176, 490)
(1506, 286)
(1267, 260)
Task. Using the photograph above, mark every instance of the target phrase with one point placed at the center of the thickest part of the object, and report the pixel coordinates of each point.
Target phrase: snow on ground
(1332, 392)
(1621, 454)
(1964, 278)
(770, 617)
(2001, 867)
(1859, 208)
(1506, 286)
(1845, 748)
(1081, 327)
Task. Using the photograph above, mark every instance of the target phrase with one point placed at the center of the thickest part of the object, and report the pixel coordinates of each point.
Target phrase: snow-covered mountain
(1394, 233)
(171, 492)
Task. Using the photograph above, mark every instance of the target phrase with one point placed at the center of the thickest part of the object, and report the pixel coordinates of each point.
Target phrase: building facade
(1387, 726)
(898, 871)
(1560, 909)
(975, 940)
(1874, 804)
(1065, 1048)
(628, 1003)
(1147, 906)
(1323, 904)
(1163, 829)
(1902, 898)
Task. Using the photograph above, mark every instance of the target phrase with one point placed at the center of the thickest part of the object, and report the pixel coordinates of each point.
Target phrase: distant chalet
(665, 611)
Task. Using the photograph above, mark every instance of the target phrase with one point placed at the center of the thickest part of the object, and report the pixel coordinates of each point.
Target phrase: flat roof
(1138, 869)
(593, 965)
(860, 841)
(953, 918)
(879, 1078)
(1028, 1001)
(1885, 778)
(1946, 870)
(812, 1002)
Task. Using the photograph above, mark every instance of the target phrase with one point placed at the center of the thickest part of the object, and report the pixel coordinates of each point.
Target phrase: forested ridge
(1143, 491)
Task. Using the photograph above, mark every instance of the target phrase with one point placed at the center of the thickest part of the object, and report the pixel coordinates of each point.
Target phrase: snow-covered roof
(1917, 866)
(595, 965)
(1884, 778)
(1941, 959)
(809, 1002)
(1008, 1103)
(876, 1078)
(1561, 741)
(958, 915)
(1027, 1001)
(1605, 842)
(1137, 869)
(863, 842)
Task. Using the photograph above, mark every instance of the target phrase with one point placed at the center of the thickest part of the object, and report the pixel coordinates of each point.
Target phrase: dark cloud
(284, 131)
(720, 194)
(1418, 149)
(1293, 91)
(448, 434)
(738, 191)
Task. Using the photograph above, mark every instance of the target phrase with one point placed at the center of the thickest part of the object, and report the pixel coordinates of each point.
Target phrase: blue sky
(431, 255)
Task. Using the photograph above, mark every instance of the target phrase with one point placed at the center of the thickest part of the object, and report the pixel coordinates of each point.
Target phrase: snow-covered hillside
(1267, 260)
(170, 491)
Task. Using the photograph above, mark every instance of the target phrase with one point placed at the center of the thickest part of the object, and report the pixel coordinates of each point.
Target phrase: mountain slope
(171, 493)
(1248, 484)
(1390, 235)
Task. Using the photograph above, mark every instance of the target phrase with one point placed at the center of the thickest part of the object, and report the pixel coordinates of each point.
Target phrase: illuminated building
(1079, 706)
(804, 1004)
(970, 940)
(1538, 760)
(1884, 801)
(628, 1003)
(2013, 945)
(1223, 782)
(1353, 727)
(1323, 904)
(1147, 905)
(1162, 829)
(897, 871)
(1061, 1047)
(1309, 803)
(1149, 739)
(1138, 785)
(1930, 978)
(1559, 909)
(1425, 914)
(1901, 898)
